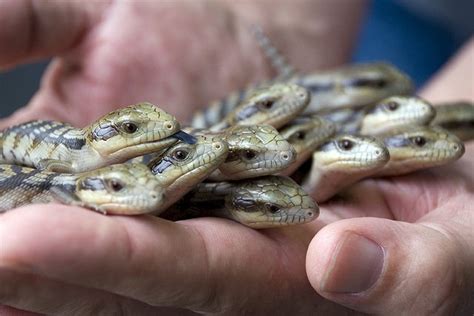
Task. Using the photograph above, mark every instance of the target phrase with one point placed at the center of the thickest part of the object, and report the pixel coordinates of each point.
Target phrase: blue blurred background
(417, 36)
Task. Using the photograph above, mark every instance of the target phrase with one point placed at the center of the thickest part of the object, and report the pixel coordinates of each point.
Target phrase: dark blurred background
(418, 36)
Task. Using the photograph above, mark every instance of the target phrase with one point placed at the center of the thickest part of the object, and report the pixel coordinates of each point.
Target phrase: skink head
(372, 82)
(120, 189)
(183, 165)
(274, 105)
(419, 148)
(305, 134)
(354, 86)
(349, 153)
(396, 112)
(133, 131)
(270, 201)
(457, 117)
(255, 151)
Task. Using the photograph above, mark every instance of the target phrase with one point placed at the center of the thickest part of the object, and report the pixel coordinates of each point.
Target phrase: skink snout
(288, 155)
(458, 148)
(171, 125)
(302, 94)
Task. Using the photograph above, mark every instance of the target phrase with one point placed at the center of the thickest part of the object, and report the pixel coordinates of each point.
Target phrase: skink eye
(180, 154)
(249, 154)
(345, 144)
(129, 127)
(419, 141)
(300, 135)
(115, 185)
(392, 105)
(272, 208)
(265, 104)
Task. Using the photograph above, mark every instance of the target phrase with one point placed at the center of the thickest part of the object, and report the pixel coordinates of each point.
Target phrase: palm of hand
(210, 264)
(204, 264)
(125, 53)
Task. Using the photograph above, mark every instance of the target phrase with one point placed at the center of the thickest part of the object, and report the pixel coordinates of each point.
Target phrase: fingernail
(356, 266)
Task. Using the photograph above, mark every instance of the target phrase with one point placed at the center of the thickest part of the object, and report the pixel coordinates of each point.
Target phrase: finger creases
(135, 257)
(386, 267)
(39, 29)
(145, 258)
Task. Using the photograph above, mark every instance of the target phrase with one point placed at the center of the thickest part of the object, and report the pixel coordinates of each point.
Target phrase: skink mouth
(185, 137)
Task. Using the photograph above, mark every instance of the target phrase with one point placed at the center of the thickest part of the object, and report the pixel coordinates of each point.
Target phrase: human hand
(427, 235)
(98, 68)
(175, 54)
(411, 249)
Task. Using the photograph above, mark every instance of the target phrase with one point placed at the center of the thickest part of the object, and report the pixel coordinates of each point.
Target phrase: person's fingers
(39, 29)
(206, 264)
(34, 293)
(394, 268)
(12, 311)
(406, 198)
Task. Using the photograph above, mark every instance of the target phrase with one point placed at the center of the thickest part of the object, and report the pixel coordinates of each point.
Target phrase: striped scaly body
(271, 104)
(351, 86)
(456, 117)
(116, 137)
(118, 189)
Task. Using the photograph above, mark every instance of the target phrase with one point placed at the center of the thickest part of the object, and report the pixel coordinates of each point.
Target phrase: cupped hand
(176, 54)
(411, 250)
(66, 260)
(419, 259)
(115, 53)
(413, 254)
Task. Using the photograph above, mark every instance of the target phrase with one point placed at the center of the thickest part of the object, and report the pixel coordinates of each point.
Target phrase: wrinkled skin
(135, 266)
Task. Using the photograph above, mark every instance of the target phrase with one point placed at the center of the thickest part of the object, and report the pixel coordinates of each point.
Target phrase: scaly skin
(396, 112)
(419, 148)
(390, 113)
(274, 105)
(342, 161)
(116, 137)
(182, 166)
(254, 151)
(118, 189)
(265, 202)
(351, 86)
(305, 134)
(457, 117)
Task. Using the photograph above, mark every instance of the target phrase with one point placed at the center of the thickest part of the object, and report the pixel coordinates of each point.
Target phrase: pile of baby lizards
(328, 130)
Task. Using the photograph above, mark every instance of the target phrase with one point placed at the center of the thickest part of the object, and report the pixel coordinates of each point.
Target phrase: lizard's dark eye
(129, 127)
(180, 154)
(266, 104)
(115, 185)
(300, 135)
(419, 141)
(392, 105)
(249, 154)
(345, 144)
(272, 208)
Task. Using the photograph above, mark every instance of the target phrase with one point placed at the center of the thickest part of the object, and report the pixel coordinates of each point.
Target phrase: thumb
(386, 267)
